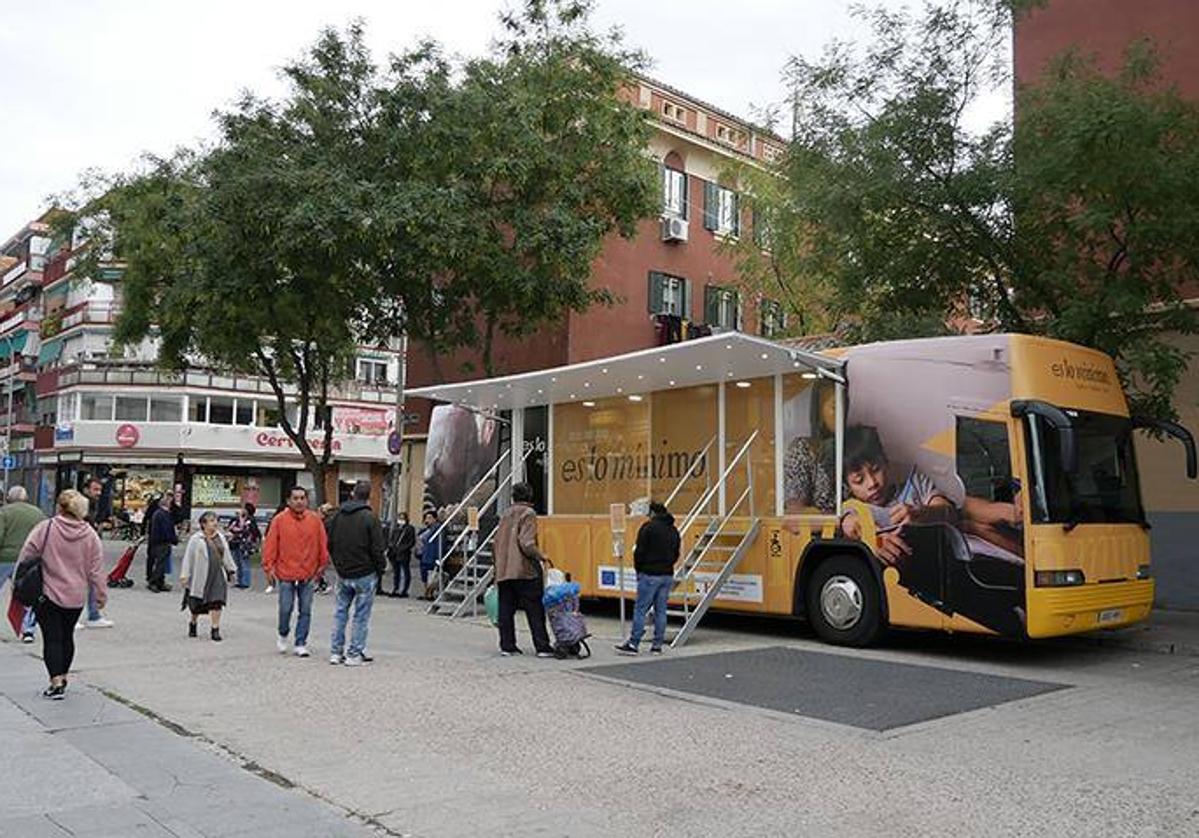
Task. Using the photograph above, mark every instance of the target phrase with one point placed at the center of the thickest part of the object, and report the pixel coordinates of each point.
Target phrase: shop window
(722, 307)
(96, 406)
(166, 409)
(669, 294)
(132, 409)
(220, 410)
(245, 412)
(372, 371)
(774, 320)
(674, 192)
(722, 210)
(268, 415)
(198, 411)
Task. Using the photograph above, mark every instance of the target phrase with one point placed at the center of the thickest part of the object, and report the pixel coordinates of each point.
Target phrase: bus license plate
(1111, 615)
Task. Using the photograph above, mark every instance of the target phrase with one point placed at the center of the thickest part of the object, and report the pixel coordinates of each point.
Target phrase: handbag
(28, 585)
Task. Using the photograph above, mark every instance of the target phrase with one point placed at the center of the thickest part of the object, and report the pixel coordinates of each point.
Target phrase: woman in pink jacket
(72, 561)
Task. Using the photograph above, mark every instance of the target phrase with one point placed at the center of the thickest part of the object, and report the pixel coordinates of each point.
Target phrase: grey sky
(94, 84)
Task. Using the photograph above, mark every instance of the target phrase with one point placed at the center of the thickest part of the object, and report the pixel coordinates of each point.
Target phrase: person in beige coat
(205, 573)
(519, 568)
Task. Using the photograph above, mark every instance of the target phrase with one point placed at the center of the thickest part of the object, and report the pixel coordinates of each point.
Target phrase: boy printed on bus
(868, 479)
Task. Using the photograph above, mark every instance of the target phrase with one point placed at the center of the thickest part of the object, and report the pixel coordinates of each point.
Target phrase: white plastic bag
(553, 576)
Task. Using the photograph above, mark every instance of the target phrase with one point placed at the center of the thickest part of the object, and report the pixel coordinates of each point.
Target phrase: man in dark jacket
(162, 536)
(399, 550)
(356, 548)
(654, 558)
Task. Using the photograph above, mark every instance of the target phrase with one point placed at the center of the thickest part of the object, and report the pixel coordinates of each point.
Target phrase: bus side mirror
(1057, 419)
(1175, 430)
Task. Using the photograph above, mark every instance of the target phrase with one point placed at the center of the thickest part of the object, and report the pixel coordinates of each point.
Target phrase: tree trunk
(488, 339)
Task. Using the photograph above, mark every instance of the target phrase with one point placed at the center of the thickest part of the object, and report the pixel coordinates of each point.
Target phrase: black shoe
(507, 653)
(402, 596)
(655, 650)
(191, 629)
(626, 648)
(216, 635)
(55, 693)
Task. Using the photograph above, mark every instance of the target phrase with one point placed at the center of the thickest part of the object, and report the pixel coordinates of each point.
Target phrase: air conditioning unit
(674, 229)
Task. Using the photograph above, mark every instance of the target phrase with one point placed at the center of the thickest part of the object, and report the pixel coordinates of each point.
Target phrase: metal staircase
(720, 547)
(464, 590)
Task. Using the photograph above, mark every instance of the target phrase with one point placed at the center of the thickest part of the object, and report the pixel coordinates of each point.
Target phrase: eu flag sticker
(608, 578)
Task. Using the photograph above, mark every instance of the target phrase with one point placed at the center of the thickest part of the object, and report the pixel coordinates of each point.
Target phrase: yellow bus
(982, 483)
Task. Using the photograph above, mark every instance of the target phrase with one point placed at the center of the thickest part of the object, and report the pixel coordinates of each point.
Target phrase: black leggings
(58, 635)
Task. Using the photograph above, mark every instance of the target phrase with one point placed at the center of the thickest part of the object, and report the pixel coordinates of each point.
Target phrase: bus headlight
(1143, 571)
(1058, 578)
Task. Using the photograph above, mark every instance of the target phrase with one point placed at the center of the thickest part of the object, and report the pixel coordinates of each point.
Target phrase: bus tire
(844, 602)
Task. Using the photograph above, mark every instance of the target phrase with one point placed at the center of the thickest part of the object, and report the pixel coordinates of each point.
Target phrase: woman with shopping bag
(519, 570)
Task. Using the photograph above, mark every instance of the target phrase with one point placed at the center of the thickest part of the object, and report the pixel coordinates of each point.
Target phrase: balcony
(24, 317)
(88, 314)
(14, 273)
(25, 368)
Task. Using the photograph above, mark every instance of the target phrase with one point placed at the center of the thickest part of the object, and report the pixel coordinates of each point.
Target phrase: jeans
(526, 595)
(295, 592)
(93, 613)
(29, 622)
(360, 592)
(655, 591)
(241, 557)
(402, 568)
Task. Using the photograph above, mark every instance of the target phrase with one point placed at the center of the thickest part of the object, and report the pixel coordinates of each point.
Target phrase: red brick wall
(1105, 28)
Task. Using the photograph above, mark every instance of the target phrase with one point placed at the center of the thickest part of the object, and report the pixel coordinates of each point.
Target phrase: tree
(890, 216)
(441, 202)
(245, 256)
(518, 164)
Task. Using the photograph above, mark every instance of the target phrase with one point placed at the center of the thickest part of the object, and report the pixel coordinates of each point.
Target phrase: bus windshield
(1104, 488)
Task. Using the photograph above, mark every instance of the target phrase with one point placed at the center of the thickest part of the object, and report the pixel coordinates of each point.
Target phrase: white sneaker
(269, 589)
(301, 651)
(336, 659)
(358, 660)
(281, 644)
(101, 623)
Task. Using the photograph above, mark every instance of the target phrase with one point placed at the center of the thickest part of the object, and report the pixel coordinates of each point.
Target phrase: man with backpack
(654, 558)
(356, 547)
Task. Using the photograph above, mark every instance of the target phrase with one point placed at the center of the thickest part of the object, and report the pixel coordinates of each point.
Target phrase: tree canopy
(894, 216)
(446, 201)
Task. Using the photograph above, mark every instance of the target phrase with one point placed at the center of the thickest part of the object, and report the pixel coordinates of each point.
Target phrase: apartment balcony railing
(26, 316)
(14, 273)
(146, 376)
(90, 313)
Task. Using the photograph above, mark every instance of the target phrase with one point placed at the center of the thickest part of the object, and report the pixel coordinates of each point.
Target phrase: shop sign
(364, 421)
(266, 439)
(64, 433)
(128, 435)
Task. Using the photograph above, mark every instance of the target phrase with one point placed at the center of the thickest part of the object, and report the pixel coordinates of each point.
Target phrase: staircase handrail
(689, 571)
(461, 505)
(687, 476)
(707, 497)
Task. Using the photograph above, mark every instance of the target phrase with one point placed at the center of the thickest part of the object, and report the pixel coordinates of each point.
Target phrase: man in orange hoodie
(295, 552)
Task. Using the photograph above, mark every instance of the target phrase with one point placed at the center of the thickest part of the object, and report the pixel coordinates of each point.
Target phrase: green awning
(50, 351)
(13, 343)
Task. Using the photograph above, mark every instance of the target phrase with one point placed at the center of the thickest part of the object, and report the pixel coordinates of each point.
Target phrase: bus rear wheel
(844, 602)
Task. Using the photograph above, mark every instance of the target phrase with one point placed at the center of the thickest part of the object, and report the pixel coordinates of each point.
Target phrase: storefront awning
(725, 357)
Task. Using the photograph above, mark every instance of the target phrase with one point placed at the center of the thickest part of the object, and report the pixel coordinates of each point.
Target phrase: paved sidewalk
(91, 766)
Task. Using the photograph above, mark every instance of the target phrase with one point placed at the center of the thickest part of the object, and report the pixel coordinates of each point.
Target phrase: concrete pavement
(442, 737)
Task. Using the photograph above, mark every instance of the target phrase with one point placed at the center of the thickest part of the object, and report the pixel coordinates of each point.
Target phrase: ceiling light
(604, 370)
(540, 391)
(795, 364)
(809, 375)
(728, 346)
(552, 379)
(640, 377)
(619, 390)
(699, 366)
(573, 396)
(634, 398)
(586, 383)
(672, 382)
(743, 384)
(730, 374)
(765, 356)
(588, 404)
(661, 360)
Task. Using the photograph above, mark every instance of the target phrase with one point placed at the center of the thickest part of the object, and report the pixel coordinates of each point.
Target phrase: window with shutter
(668, 294)
(654, 297)
(722, 307)
(674, 192)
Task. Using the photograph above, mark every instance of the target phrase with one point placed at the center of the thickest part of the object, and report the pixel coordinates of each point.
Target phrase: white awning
(725, 357)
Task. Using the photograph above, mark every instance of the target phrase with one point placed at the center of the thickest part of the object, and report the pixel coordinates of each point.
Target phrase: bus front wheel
(843, 602)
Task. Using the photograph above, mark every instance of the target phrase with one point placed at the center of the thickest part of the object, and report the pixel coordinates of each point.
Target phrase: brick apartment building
(81, 407)
(1104, 29)
(676, 273)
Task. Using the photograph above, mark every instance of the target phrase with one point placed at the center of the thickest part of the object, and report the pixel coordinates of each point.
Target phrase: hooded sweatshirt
(17, 520)
(356, 541)
(72, 560)
(657, 547)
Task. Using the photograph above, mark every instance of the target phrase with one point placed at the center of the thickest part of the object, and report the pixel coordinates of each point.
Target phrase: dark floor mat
(871, 694)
